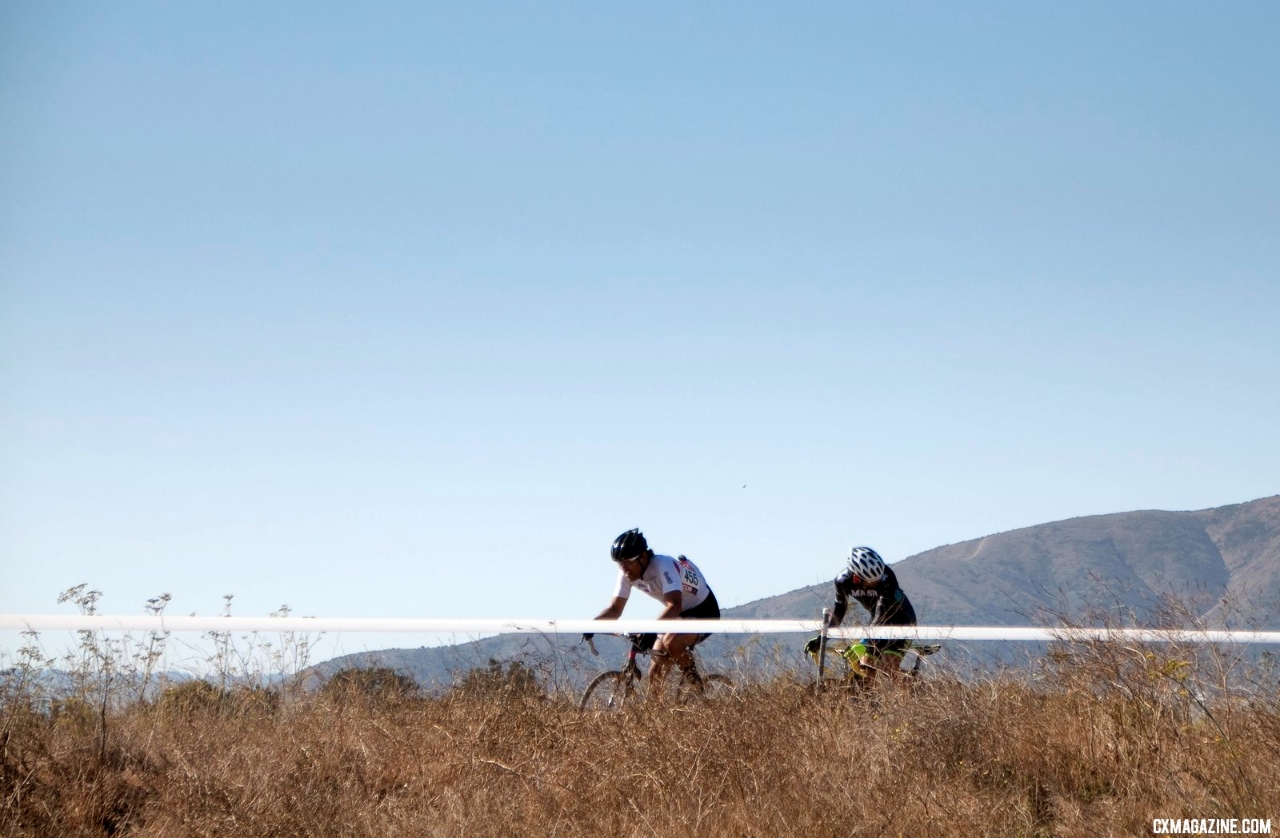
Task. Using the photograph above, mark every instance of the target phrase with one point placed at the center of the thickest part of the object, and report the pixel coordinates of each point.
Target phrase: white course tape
(98, 622)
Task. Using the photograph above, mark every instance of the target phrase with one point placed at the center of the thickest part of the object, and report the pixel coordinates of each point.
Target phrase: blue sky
(409, 310)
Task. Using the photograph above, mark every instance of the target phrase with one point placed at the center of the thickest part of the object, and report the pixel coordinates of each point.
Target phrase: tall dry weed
(1102, 741)
(1098, 740)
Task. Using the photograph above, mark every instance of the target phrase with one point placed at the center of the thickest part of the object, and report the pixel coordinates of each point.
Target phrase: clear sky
(408, 309)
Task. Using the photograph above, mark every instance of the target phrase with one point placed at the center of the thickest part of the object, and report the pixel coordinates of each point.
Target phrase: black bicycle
(616, 688)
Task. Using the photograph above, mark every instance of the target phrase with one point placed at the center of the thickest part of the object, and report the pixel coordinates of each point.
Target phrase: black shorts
(708, 609)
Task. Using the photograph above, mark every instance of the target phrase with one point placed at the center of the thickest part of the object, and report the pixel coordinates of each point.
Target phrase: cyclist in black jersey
(875, 586)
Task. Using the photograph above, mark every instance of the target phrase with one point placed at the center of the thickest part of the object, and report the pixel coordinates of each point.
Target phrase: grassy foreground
(1100, 742)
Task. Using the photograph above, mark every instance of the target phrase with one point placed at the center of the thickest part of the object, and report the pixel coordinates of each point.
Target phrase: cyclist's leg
(670, 649)
(677, 648)
(708, 609)
(882, 656)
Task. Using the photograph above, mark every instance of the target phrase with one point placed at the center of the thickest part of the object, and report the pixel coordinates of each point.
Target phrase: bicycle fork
(822, 650)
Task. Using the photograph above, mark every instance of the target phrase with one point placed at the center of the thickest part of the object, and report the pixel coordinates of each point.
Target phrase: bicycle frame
(615, 688)
(632, 666)
(856, 673)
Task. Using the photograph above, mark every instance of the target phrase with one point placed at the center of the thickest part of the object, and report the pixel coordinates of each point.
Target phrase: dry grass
(1102, 741)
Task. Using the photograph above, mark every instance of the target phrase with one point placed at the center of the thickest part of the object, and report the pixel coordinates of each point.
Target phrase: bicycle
(856, 677)
(617, 688)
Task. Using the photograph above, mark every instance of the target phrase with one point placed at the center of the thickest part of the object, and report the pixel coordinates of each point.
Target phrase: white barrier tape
(78, 622)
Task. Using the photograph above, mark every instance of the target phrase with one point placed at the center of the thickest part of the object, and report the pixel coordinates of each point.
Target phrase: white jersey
(664, 575)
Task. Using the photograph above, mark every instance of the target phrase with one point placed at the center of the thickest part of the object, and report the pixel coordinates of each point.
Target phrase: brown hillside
(1223, 562)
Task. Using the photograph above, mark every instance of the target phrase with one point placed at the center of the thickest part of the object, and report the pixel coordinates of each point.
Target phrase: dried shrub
(378, 685)
(498, 680)
(196, 698)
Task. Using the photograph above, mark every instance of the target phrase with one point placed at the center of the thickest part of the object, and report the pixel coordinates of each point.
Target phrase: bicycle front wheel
(607, 691)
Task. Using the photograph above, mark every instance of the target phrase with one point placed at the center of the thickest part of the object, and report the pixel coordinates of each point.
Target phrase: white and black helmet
(866, 563)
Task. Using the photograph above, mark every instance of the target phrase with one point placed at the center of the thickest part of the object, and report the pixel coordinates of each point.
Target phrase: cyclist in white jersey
(677, 584)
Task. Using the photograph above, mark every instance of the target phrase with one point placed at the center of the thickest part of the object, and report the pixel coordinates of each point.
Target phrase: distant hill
(1221, 565)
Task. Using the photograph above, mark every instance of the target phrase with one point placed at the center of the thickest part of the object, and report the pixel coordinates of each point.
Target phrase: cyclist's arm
(672, 606)
(894, 609)
(841, 605)
(879, 615)
(614, 611)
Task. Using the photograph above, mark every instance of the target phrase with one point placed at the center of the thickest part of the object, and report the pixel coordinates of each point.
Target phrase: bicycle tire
(607, 691)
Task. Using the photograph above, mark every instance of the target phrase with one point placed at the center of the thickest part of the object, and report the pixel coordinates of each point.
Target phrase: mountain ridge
(1217, 567)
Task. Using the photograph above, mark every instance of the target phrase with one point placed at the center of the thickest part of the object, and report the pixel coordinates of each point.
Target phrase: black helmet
(629, 545)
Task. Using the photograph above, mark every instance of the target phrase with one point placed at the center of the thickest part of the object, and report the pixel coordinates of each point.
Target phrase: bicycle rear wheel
(607, 691)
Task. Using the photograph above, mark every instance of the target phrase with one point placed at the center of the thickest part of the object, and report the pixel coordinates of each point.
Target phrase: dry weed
(1102, 741)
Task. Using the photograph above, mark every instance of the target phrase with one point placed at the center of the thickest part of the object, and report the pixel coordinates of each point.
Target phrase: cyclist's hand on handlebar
(811, 648)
